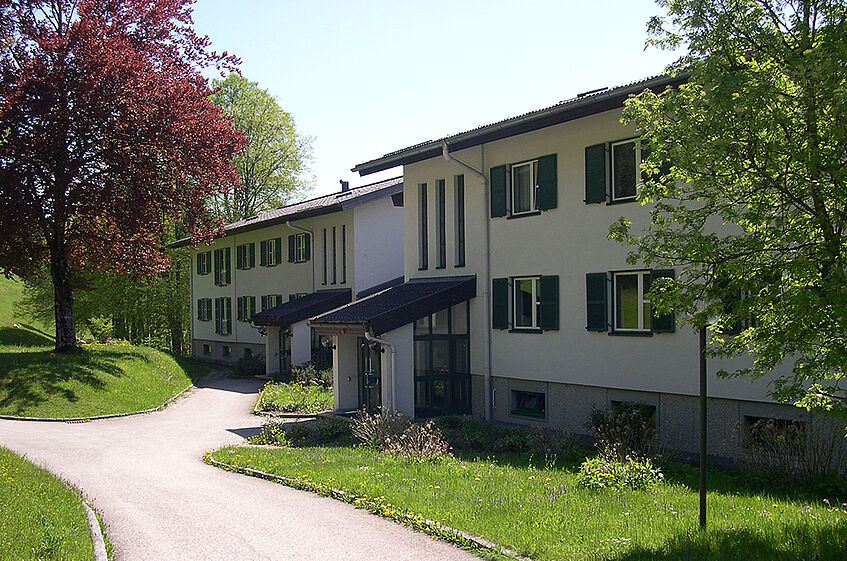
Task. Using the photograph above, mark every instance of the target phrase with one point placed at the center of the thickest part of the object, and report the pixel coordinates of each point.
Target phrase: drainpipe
(390, 346)
(486, 281)
(312, 239)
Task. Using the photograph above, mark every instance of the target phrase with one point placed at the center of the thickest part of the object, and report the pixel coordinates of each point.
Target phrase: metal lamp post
(703, 427)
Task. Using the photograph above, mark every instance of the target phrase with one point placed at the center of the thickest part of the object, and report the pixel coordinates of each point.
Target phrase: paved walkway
(161, 502)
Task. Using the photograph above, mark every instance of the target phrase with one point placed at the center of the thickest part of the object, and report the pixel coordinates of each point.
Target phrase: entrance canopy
(302, 308)
(396, 306)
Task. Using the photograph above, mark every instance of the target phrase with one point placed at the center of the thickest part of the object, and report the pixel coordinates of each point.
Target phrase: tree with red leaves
(107, 137)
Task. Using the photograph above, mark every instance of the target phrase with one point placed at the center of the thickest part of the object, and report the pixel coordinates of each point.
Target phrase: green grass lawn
(98, 380)
(42, 517)
(295, 397)
(539, 511)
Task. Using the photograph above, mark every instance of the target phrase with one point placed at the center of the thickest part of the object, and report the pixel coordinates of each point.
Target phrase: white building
(516, 306)
(253, 289)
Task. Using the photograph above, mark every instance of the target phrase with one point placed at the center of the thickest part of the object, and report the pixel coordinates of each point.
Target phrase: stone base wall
(215, 351)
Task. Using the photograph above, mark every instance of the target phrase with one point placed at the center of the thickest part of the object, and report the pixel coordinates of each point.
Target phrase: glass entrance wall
(442, 362)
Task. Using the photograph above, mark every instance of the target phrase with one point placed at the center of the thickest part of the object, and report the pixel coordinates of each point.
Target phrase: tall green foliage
(271, 167)
(747, 176)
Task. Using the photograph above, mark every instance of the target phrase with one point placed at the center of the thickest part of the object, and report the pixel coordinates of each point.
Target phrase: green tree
(747, 181)
(272, 166)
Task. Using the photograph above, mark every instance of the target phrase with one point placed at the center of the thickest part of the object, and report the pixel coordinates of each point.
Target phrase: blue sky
(365, 78)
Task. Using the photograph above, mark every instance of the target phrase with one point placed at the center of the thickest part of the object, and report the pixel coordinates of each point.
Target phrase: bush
(628, 429)
(101, 328)
(249, 365)
(793, 451)
(324, 430)
(472, 434)
(308, 375)
(631, 472)
(272, 433)
(419, 441)
(376, 429)
(294, 397)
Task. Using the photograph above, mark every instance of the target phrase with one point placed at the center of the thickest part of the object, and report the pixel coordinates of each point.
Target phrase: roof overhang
(559, 113)
(303, 308)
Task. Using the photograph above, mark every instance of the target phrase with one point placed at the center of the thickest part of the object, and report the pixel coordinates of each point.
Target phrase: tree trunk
(63, 299)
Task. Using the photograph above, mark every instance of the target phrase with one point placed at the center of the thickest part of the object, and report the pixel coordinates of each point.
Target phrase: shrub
(308, 375)
(631, 472)
(249, 365)
(794, 451)
(472, 434)
(419, 441)
(101, 328)
(272, 433)
(628, 429)
(294, 397)
(375, 429)
(324, 430)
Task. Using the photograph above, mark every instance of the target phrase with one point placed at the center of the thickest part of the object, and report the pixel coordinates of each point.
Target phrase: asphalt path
(159, 501)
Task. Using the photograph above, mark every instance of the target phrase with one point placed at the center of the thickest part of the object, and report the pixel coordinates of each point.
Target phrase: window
(768, 435)
(295, 295)
(441, 224)
(323, 281)
(529, 404)
(626, 166)
(222, 268)
(527, 303)
(321, 347)
(423, 246)
(299, 248)
(270, 252)
(343, 253)
(204, 309)
(245, 256)
(632, 307)
(204, 263)
(459, 184)
(223, 316)
(271, 301)
(334, 249)
(246, 307)
(524, 187)
(207, 349)
(226, 351)
(248, 352)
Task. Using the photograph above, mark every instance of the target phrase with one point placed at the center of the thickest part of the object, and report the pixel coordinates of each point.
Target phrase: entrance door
(370, 375)
(284, 353)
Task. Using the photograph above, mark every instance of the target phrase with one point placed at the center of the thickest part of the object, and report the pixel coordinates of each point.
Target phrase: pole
(703, 427)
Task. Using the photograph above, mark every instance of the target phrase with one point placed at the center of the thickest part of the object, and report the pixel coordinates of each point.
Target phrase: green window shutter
(218, 312)
(662, 323)
(228, 304)
(549, 303)
(264, 303)
(263, 253)
(200, 309)
(307, 250)
(277, 251)
(251, 256)
(239, 257)
(500, 303)
(217, 267)
(199, 264)
(252, 307)
(498, 191)
(596, 300)
(547, 184)
(595, 174)
(292, 239)
(227, 266)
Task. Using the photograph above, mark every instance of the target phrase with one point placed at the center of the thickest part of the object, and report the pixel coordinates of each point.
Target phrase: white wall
(345, 387)
(404, 361)
(301, 343)
(379, 243)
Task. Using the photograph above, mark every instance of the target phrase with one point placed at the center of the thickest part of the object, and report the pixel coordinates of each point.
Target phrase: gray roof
(583, 105)
(327, 204)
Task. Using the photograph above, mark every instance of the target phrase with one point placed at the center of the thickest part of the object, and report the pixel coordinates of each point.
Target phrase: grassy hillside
(42, 516)
(11, 291)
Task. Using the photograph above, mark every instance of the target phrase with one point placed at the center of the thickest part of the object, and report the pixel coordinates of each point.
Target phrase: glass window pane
(460, 318)
(522, 188)
(421, 358)
(422, 326)
(460, 356)
(624, 173)
(439, 393)
(439, 322)
(524, 302)
(440, 357)
(626, 301)
(422, 393)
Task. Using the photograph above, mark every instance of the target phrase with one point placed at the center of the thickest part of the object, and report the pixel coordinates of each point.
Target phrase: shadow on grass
(26, 337)
(28, 379)
(801, 542)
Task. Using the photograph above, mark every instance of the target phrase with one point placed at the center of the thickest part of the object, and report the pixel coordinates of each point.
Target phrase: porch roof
(302, 308)
(399, 305)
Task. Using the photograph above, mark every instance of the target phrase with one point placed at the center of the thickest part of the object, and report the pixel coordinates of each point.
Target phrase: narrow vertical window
(626, 163)
(423, 247)
(459, 184)
(324, 259)
(334, 259)
(441, 212)
(632, 307)
(343, 253)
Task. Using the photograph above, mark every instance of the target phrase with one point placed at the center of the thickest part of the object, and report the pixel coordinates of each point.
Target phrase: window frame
(243, 260)
(517, 411)
(207, 349)
(533, 175)
(536, 308)
(637, 172)
(441, 223)
(300, 242)
(642, 289)
(459, 209)
(206, 261)
(423, 229)
(223, 263)
(324, 277)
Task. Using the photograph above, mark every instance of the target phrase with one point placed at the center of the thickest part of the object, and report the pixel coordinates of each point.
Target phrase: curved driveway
(144, 474)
